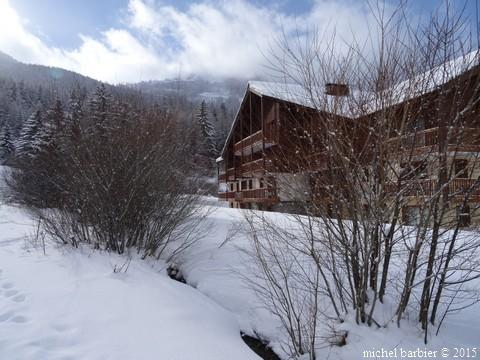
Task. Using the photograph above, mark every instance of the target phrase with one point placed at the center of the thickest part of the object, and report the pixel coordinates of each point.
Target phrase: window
(250, 184)
(461, 169)
(330, 210)
(244, 184)
(411, 215)
(231, 187)
(463, 214)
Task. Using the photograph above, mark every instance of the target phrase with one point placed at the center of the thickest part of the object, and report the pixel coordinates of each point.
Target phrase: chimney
(336, 89)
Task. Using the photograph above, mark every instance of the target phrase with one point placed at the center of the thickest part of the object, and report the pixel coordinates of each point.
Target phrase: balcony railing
(228, 175)
(269, 135)
(256, 166)
(226, 195)
(249, 141)
(256, 195)
(466, 139)
(456, 187)
(224, 176)
(231, 174)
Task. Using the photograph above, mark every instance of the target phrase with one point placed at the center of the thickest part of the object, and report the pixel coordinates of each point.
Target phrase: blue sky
(60, 21)
(132, 40)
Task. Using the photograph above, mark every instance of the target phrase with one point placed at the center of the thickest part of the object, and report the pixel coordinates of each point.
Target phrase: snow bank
(71, 305)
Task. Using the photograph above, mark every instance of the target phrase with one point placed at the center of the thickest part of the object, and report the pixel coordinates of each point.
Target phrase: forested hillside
(29, 92)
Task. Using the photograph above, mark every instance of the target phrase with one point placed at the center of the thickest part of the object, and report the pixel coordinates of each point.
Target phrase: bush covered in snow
(108, 174)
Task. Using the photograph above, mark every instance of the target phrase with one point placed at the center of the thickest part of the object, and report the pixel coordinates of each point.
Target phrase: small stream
(258, 346)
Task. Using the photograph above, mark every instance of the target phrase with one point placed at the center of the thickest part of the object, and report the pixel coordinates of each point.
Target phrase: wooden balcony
(462, 140)
(226, 176)
(231, 174)
(456, 187)
(256, 141)
(226, 195)
(256, 166)
(265, 195)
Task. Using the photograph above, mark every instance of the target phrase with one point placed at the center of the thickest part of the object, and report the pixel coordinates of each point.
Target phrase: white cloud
(221, 39)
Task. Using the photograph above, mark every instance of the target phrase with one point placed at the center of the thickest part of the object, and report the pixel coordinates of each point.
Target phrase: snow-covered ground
(218, 272)
(70, 304)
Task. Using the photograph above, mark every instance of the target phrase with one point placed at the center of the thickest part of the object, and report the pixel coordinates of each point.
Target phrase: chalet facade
(274, 155)
(250, 171)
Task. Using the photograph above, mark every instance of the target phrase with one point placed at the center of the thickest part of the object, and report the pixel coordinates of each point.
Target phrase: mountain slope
(39, 75)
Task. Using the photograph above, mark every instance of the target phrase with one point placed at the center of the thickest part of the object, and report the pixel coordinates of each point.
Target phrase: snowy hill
(71, 304)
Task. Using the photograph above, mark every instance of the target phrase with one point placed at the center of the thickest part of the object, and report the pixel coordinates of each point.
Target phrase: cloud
(157, 41)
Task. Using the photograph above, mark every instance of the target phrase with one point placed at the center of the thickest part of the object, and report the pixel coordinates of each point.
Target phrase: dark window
(250, 184)
(411, 215)
(330, 210)
(244, 184)
(461, 168)
(464, 218)
(231, 187)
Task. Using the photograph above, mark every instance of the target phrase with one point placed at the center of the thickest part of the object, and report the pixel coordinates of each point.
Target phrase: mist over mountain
(26, 87)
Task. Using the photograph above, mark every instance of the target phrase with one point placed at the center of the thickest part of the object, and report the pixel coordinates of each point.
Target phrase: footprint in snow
(19, 298)
(7, 285)
(6, 315)
(12, 316)
(10, 293)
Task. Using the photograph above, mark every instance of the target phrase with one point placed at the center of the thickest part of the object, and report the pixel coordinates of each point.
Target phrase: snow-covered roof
(311, 97)
(419, 85)
(293, 93)
(432, 79)
(316, 98)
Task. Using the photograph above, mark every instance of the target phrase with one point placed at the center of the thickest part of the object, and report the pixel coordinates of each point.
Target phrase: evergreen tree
(28, 134)
(76, 113)
(100, 106)
(6, 145)
(13, 92)
(207, 129)
(51, 135)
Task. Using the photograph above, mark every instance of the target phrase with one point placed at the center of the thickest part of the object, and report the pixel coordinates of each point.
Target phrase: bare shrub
(397, 139)
(114, 177)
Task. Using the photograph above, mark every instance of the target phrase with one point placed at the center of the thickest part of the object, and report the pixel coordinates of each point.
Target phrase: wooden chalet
(259, 166)
(250, 169)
